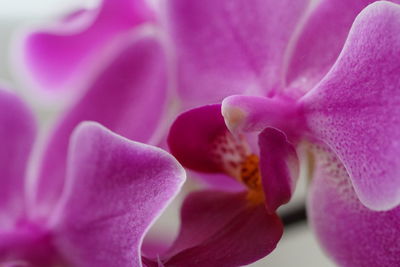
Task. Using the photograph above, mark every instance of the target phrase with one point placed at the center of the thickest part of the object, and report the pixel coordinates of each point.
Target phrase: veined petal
(129, 97)
(116, 189)
(356, 107)
(231, 46)
(57, 56)
(17, 134)
(279, 166)
(350, 233)
(222, 229)
(321, 41)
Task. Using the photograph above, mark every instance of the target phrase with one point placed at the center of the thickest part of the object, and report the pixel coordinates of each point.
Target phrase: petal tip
(233, 116)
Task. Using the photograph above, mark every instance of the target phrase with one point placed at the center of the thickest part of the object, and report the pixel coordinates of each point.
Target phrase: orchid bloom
(353, 114)
(345, 108)
(114, 189)
(279, 50)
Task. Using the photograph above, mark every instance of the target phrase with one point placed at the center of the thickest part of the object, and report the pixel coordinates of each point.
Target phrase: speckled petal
(356, 107)
(116, 189)
(350, 233)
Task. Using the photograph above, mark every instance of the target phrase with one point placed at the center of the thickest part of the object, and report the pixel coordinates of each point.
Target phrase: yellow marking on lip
(250, 175)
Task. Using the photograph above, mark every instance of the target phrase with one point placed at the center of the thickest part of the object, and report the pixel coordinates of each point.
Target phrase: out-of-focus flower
(114, 189)
(352, 116)
(64, 54)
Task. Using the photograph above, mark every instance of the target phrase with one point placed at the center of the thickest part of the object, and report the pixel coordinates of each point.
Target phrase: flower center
(234, 156)
(250, 175)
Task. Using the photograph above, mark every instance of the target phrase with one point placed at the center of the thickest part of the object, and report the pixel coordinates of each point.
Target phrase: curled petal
(17, 134)
(129, 97)
(192, 135)
(230, 46)
(350, 233)
(223, 229)
(54, 57)
(194, 139)
(279, 166)
(116, 189)
(355, 109)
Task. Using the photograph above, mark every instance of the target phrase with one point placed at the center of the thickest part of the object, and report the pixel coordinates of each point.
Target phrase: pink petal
(223, 229)
(253, 114)
(230, 46)
(356, 110)
(129, 97)
(17, 134)
(321, 41)
(350, 233)
(279, 166)
(192, 140)
(56, 57)
(116, 189)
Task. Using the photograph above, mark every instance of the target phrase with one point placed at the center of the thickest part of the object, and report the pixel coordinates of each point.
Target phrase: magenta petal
(223, 229)
(54, 57)
(356, 110)
(129, 97)
(17, 134)
(230, 46)
(321, 41)
(191, 137)
(350, 233)
(279, 166)
(116, 189)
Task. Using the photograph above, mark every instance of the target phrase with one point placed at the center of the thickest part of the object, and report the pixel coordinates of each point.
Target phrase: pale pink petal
(349, 232)
(356, 110)
(129, 97)
(223, 229)
(116, 189)
(231, 46)
(67, 51)
(17, 134)
(321, 41)
(279, 167)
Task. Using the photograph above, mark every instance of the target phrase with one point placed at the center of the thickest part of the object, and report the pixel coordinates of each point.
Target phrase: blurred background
(298, 246)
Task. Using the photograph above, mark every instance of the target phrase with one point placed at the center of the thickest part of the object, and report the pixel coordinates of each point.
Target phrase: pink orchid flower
(114, 189)
(343, 109)
(352, 114)
(279, 49)
(96, 211)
